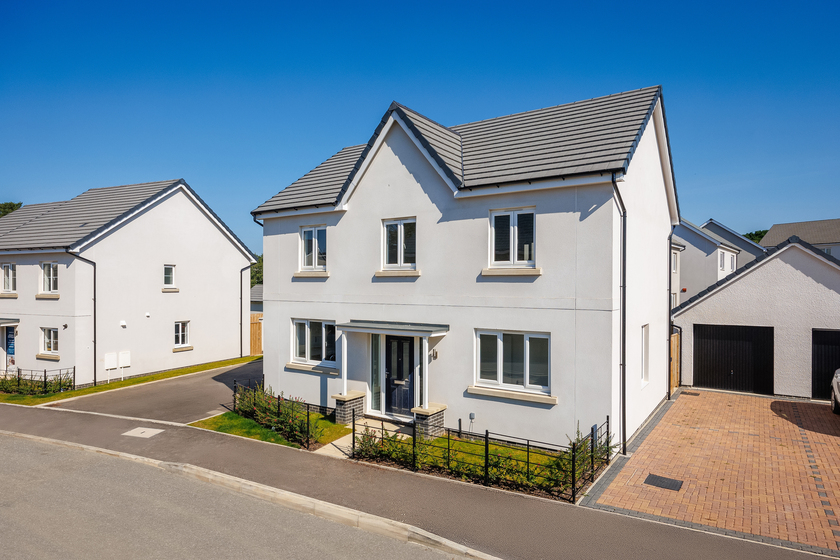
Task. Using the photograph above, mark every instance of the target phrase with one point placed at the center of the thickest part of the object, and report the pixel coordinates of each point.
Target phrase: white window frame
(183, 333)
(305, 359)
(498, 383)
(731, 263)
(675, 255)
(673, 300)
(722, 260)
(49, 340)
(172, 284)
(400, 264)
(9, 278)
(514, 239)
(302, 261)
(52, 278)
(645, 354)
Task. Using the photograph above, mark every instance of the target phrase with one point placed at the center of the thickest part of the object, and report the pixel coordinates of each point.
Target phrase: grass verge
(32, 400)
(232, 423)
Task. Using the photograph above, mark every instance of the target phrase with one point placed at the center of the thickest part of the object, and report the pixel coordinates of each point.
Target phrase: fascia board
(393, 119)
(33, 251)
(557, 183)
(392, 332)
(301, 212)
(720, 225)
(663, 143)
(699, 232)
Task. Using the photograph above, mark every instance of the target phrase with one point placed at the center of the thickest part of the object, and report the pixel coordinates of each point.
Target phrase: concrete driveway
(179, 399)
(749, 465)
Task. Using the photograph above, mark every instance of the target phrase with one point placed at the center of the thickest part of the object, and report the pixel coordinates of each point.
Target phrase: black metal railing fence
(37, 381)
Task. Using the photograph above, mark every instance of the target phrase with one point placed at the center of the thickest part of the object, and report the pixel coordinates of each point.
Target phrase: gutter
(93, 264)
(623, 286)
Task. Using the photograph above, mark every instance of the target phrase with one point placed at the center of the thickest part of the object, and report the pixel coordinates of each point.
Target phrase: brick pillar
(429, 421)
(346, 404)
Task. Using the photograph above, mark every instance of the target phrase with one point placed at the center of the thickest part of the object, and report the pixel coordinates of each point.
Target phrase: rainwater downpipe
(93, 264)
(668, 322)
(623, 366)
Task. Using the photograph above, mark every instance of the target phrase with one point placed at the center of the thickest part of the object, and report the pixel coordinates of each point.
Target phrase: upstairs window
(514, 360)
(9, 277)
(314, 341)
(49, 275)
(722, 259)
(674, 258)
(512, 238)
(313, 248)
(169, 276)
(182, 333)
(731, 262)
(400, 250)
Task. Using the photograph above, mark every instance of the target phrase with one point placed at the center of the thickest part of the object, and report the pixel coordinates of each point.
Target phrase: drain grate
(690, 394)
(662, 482)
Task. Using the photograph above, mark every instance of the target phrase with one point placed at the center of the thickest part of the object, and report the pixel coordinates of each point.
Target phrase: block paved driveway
(754, 465)
(180, 399)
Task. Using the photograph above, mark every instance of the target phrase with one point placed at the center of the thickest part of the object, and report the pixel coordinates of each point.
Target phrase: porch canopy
(422, 330)
(395, 328)
(6, 321)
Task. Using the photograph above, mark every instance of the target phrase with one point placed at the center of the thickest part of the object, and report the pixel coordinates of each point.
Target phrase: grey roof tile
(818, 232)
(257, 292)
(596, 135)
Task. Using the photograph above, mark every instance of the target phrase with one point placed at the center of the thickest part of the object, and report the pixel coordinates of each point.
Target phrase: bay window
(314, 341)
(514, 360)
(512, 235)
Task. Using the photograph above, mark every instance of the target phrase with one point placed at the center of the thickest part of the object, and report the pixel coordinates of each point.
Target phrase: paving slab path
(500, 523)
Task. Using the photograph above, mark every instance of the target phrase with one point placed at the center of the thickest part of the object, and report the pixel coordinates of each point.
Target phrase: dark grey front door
(399, 375)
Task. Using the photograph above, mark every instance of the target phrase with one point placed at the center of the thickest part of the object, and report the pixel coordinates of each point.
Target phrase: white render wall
(700, 262)
(794, 292)
(213, 295)
(572, 300)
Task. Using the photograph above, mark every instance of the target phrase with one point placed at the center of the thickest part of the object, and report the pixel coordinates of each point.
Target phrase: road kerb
(325, 510)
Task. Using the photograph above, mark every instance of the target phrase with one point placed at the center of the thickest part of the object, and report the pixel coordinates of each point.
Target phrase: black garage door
(734, 358)
(825, 358)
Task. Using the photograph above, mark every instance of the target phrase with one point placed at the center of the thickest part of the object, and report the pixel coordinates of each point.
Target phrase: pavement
(496, 522)
(183, 399)
(78, 504)
(750, 466)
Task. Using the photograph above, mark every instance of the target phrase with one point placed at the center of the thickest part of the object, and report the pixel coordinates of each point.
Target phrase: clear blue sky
(242, 98)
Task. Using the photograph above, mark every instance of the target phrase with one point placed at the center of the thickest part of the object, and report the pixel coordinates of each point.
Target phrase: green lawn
(32, 400)
(232, 423)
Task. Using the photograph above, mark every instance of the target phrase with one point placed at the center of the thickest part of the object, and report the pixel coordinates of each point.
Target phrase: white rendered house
(121, 281)
(476, 272)
(704, 258)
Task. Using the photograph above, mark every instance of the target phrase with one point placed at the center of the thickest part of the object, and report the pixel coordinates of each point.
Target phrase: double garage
(772, 327)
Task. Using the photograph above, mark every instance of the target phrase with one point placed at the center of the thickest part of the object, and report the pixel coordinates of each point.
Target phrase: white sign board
(111, 360)
(125, 359)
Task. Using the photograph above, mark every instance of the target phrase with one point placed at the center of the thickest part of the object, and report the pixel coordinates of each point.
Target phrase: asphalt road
(65, 503)
(179, 399)
(500, 523)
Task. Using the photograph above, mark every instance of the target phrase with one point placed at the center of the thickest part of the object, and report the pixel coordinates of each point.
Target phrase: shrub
(288, 417)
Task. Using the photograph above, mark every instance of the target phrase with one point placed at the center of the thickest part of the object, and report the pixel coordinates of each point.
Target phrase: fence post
(592, 436)
(414, 446)
(609, 438)
(353, 451)
(307, 425)
(574, 471)
(18, 379)
(74, 378)
(528, 460)
(45, 381)
(448, 450)
(234, 395)
(486, 457)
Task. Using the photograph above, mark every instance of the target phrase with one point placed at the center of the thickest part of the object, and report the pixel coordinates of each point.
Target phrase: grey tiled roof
(759, 259)
(61, 225)
(256, 292)
(717, 238)
(594, 136)
(819, 231)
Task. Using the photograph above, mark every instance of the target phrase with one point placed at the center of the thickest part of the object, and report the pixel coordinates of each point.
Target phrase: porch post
(425, 363)
(344, 363)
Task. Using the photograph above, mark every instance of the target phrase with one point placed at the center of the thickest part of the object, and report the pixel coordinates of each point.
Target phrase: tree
(256, 272)
(8, 207)
(754, 236)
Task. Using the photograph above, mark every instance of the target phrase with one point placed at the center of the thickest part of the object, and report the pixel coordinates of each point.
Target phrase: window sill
(511, 272)
(8, 295)
(513, 395)
(46, 296)
(182, 349)
(312, 274)
(397, 274)
(293, 366)
(169, 290)
(50, 357)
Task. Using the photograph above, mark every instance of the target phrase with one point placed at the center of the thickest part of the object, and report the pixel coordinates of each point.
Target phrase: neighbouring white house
(772, 327)
(822, 234)
(748, 250)
(703, 258)
(121, 281)
(256, 298)
(477, 273)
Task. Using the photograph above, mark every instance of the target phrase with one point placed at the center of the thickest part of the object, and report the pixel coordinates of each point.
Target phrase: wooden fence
(256, 334)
